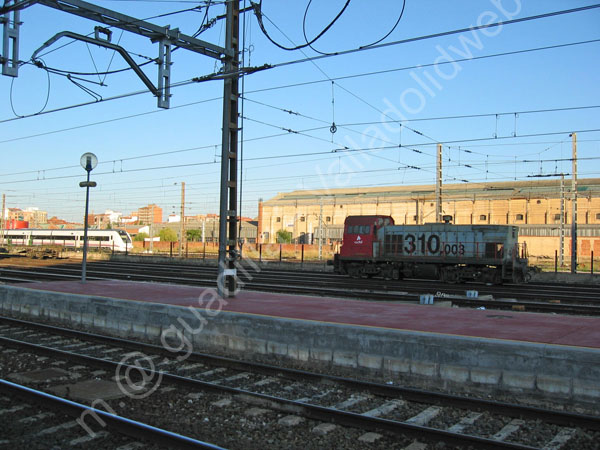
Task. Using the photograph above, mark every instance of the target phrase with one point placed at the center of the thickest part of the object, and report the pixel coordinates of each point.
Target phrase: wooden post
(260, 253)
(280, 251)
(555, 261)
(592, 265)
(302, 260)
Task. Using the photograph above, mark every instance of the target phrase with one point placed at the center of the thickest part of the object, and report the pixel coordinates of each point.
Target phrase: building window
(328, 219)
(556, 216)
(302, 219)
(415, 218)
(483, 217)
(519, 217)
(597, 216)
(278, 219)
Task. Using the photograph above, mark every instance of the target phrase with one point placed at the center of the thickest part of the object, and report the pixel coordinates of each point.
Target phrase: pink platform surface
(574, 331)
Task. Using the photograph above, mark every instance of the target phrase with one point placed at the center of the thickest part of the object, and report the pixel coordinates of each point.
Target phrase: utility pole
(321, 230)
(182, 236)
(561, 257)
(438, 185)
(152, 231)
(2, 215)
(574, 206)
(227, 280)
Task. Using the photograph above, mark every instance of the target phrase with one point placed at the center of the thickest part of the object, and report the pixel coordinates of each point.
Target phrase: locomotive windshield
(359, 229)
(125, 236)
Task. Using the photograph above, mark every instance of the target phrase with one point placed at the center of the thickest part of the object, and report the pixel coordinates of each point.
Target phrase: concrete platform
(540, 354)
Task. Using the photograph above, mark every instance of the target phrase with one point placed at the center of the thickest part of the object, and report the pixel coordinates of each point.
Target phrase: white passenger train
(117, 240)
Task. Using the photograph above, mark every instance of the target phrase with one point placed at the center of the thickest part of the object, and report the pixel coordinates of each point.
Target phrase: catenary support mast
(226, 282)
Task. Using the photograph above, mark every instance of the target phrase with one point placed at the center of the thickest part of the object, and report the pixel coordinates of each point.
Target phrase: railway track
(283, 408)
(572, 299)
(36, 419)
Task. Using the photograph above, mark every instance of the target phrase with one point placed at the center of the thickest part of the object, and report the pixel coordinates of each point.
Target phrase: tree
(194, 235)
(284, 237)
(140, 237)
(167, 235)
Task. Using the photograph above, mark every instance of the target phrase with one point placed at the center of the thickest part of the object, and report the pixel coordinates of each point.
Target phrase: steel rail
(334, 289)
(307, 410)
(131, 428)
(418, 395)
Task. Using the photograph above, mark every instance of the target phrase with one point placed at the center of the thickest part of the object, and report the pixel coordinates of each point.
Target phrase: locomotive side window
(493, 250)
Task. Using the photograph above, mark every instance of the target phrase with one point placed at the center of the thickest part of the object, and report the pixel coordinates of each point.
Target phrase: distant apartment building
(129, 220)
(149, 214)
(33, 216)
(104, 220)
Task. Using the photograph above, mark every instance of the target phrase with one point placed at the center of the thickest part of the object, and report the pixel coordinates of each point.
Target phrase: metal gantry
(166, 38)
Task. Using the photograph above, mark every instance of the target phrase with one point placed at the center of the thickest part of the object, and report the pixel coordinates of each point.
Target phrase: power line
(116, 119)
(336, 151)
(400, 121)
(442, 34)
(419, 66)
(350, 92)
(259, 15)
(472, 116)
(195, 80)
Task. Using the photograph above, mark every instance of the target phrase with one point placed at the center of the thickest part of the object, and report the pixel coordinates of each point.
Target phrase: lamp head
(88, 161)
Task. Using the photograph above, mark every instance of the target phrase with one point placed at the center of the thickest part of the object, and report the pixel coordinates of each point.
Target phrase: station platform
(552, 355)
(515, 326)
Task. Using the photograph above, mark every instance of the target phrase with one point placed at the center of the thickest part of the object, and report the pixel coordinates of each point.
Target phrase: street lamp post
(88, 162)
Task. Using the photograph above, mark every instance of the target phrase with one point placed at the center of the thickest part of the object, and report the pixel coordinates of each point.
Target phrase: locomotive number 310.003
(427, 244)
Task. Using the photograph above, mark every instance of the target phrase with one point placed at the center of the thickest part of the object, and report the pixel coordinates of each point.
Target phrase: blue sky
(144, 150)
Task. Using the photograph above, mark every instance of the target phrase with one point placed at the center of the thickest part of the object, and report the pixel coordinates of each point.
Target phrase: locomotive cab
(358, 244)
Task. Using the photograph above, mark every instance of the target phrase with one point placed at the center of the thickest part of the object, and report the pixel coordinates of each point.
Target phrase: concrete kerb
(430, 359)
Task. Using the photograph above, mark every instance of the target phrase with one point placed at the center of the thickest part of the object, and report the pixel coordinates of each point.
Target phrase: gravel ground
(235, 424)
(211, 417)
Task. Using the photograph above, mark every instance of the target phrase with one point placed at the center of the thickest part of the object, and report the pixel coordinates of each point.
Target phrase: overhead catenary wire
(384, 37)
(589, 7)
(261, 180)
(416, 66)
(335, 151)
(259, 17)
(350, 92)
(443, 33)
(292, 85)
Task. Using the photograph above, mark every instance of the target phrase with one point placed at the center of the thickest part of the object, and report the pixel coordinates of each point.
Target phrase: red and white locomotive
(373, 245)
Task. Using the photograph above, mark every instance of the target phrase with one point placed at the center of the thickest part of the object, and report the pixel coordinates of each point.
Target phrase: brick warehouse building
(535, 206)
